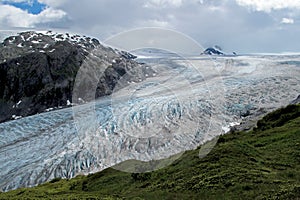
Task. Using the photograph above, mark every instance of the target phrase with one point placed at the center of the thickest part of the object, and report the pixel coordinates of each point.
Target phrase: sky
(243, 26)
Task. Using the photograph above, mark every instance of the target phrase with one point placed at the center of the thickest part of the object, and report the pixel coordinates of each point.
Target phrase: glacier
(185, 103)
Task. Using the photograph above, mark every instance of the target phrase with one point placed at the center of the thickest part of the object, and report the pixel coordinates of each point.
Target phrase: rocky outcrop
(127, 55)
(37, 71)
(296, 101)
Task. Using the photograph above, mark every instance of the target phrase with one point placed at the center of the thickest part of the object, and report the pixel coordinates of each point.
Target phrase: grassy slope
(261, 164)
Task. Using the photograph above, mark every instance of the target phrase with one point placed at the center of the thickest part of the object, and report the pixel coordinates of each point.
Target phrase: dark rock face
(38, 70)
(127, 55)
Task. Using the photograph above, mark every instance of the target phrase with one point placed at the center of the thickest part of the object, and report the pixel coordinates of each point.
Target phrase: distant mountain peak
(215, 50)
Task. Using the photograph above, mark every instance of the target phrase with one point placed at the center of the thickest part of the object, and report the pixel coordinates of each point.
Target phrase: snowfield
(186, 103)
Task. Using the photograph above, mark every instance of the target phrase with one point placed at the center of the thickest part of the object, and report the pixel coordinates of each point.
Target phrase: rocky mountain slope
(38, 70)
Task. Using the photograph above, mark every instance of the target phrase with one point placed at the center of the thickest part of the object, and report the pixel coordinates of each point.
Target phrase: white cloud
(210, 22)
(49, 15)
(287, 21)
(216, 8)
(18, 1)
(154, 23)
(269, 5)
(14, 17)
(53, 3)
(11, 16)
(163, 3)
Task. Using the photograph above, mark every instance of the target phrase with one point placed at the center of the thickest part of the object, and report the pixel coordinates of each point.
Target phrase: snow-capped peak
(216, 50)
(45, 39)
(43, 42)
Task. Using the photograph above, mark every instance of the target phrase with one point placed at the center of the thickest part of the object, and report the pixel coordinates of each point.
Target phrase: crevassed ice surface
(182, 105)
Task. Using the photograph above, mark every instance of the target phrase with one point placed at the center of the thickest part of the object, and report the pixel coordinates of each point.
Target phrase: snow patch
(49, 109)
(32, 36)
(18, 103)
(81, 100)
(226, 129)
(46, 46)
(16, 117)
(69, 103)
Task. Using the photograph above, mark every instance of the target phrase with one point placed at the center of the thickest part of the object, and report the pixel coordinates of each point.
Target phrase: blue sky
(33, 7)
(243, 26)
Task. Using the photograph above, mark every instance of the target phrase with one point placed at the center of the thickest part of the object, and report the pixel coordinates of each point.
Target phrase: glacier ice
(187, 103)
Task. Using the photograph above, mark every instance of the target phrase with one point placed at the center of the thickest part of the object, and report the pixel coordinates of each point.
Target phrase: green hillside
(260, 164)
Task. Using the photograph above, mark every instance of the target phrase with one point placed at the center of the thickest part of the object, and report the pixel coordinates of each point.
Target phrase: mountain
(38, 71)
(260, 164)
(216, 50)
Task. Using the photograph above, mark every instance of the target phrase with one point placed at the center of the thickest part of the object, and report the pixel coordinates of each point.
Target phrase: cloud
(53, 3)
(11, 16)
(49, 15)
(269, 5)
(236, 25)
(17, 1)
(155, 23)
(163, 3)
(287, 21)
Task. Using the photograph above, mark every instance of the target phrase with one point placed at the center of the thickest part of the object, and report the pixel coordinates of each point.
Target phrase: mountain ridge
(38, 70)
